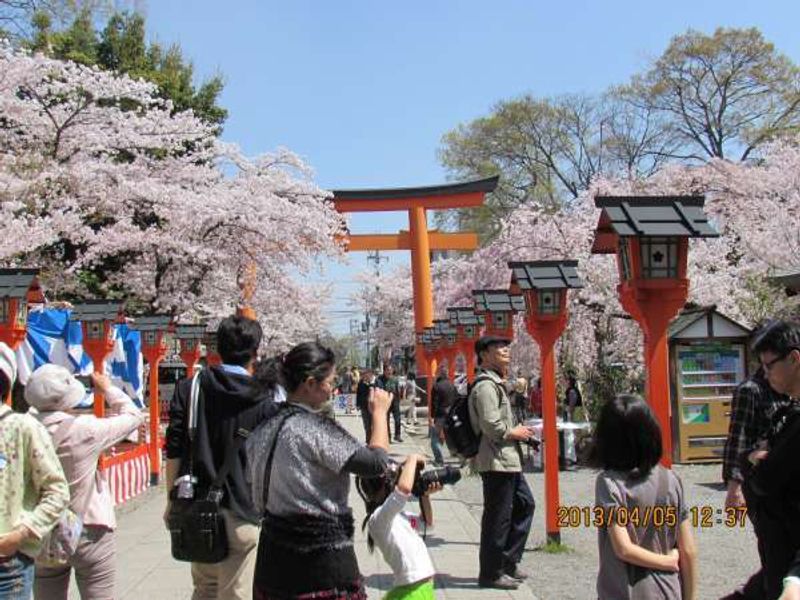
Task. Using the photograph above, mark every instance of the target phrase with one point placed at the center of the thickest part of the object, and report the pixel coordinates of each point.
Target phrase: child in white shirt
(391, 532)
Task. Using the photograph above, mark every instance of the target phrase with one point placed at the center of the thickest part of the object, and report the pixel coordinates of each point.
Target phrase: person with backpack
(231, 404)
(33, 490)
(443, 395)
(79, 440)
(508, 503)
(639, 558)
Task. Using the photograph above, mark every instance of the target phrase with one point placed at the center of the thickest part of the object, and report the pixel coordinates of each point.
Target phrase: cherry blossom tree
(112, 193)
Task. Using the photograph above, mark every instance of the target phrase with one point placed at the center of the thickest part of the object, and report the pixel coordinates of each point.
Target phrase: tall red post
(98, 350)
(154, 354)
(546, 331)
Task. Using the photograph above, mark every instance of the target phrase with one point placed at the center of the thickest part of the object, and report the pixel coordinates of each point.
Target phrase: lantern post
(544, 286)
(154, 348)
(468, 329)
(650, 237)
(18, 289)
(498, 308)
(213, 358)
(98, 319)
(189, 338)
(447, 342)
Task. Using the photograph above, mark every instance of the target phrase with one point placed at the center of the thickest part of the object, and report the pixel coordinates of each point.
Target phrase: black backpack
(461, 439)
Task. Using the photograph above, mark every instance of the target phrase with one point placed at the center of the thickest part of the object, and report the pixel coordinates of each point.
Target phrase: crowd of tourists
(259, 478)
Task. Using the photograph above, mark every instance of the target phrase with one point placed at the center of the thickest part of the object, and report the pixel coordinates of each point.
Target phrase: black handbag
(196, 524)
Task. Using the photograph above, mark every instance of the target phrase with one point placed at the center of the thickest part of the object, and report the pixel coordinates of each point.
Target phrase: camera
(423, 479)
(534, 443)
(444, 475)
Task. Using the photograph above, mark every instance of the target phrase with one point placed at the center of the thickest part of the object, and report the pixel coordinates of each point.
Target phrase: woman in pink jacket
(79, 440)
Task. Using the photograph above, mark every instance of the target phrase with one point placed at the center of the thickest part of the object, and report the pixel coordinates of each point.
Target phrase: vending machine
(708, 359)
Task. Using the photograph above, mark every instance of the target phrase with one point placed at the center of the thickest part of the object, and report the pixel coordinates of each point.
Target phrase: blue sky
(364, 91)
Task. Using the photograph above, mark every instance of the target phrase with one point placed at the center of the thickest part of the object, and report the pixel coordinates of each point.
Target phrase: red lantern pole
(98, 350)
(154, 350)
(546, 330)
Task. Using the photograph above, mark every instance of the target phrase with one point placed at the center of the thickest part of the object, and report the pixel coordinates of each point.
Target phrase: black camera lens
(444, 475)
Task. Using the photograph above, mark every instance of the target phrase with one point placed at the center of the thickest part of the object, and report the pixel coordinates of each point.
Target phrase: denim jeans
(436, 447)
(16, 577)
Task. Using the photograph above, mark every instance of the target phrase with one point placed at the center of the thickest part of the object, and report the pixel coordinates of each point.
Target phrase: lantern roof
(96, 310)
(545, 274)
(190, 331)
(151, 323)
(443, 327)
(649, 216)
(464, 315)
(789, 279)
(16, 283)
(497, 301)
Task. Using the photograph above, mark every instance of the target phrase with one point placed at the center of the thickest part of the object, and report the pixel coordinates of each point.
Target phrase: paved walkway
(147, 571)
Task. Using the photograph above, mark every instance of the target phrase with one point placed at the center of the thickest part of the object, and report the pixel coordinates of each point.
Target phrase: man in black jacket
(443, 396)
(772, 479)
(230, 407)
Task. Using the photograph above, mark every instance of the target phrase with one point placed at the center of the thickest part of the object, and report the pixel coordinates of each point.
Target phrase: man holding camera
(508, 503)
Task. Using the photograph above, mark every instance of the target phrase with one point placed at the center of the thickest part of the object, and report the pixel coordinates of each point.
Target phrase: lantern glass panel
(451, 339)
(5, 308)
(469, 331)
(659, 257)
(549, 302)
(22, 312)
(189, 344)
(625, 259)
(500, 320)
(94, 330)
(149, 337)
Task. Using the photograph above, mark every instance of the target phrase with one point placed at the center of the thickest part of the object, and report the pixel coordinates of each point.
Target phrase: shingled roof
(497, 301)
(190, 332)
(15, 283)
(151, 323)
(652, 216)
(96, 310)
(464, 315)
(545, 274)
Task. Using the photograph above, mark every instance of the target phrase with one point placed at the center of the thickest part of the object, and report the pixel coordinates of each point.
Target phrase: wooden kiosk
(708, 358)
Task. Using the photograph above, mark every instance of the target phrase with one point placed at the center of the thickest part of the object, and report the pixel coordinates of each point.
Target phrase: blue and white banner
(53, 338)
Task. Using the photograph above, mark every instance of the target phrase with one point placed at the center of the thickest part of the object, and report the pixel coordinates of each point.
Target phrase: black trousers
(508, 507)
(366, 419)
(394, 410)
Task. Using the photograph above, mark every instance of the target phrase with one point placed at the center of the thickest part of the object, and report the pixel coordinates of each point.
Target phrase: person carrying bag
(196, 525)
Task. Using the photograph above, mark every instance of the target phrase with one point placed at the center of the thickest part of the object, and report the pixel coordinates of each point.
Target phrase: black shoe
(504, 582)
(398, 440)
(516, 573)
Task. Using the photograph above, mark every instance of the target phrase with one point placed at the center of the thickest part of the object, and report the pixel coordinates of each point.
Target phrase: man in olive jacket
(508, 503)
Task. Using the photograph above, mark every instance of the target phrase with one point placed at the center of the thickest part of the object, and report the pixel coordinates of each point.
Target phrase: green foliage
(718, 95)
(723, 95)
(121, 47)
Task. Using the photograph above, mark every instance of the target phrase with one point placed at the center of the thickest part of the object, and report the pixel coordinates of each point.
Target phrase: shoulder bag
(196, 524)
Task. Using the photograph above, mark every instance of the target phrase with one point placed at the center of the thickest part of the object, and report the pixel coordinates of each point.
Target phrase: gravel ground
(727, 556)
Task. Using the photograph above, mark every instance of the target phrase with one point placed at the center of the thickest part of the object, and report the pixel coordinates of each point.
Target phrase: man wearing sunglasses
(772, 474)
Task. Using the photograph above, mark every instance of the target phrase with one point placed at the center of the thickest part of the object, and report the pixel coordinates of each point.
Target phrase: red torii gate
(418, 239)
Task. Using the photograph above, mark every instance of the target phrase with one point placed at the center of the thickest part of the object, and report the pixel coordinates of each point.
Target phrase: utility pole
(377, 258)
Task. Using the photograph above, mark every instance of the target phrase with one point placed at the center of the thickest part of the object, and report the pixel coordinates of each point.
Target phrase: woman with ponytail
(299, 467)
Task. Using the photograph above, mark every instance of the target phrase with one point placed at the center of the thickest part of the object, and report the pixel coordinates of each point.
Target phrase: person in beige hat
(33, 490)
(79, 440)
